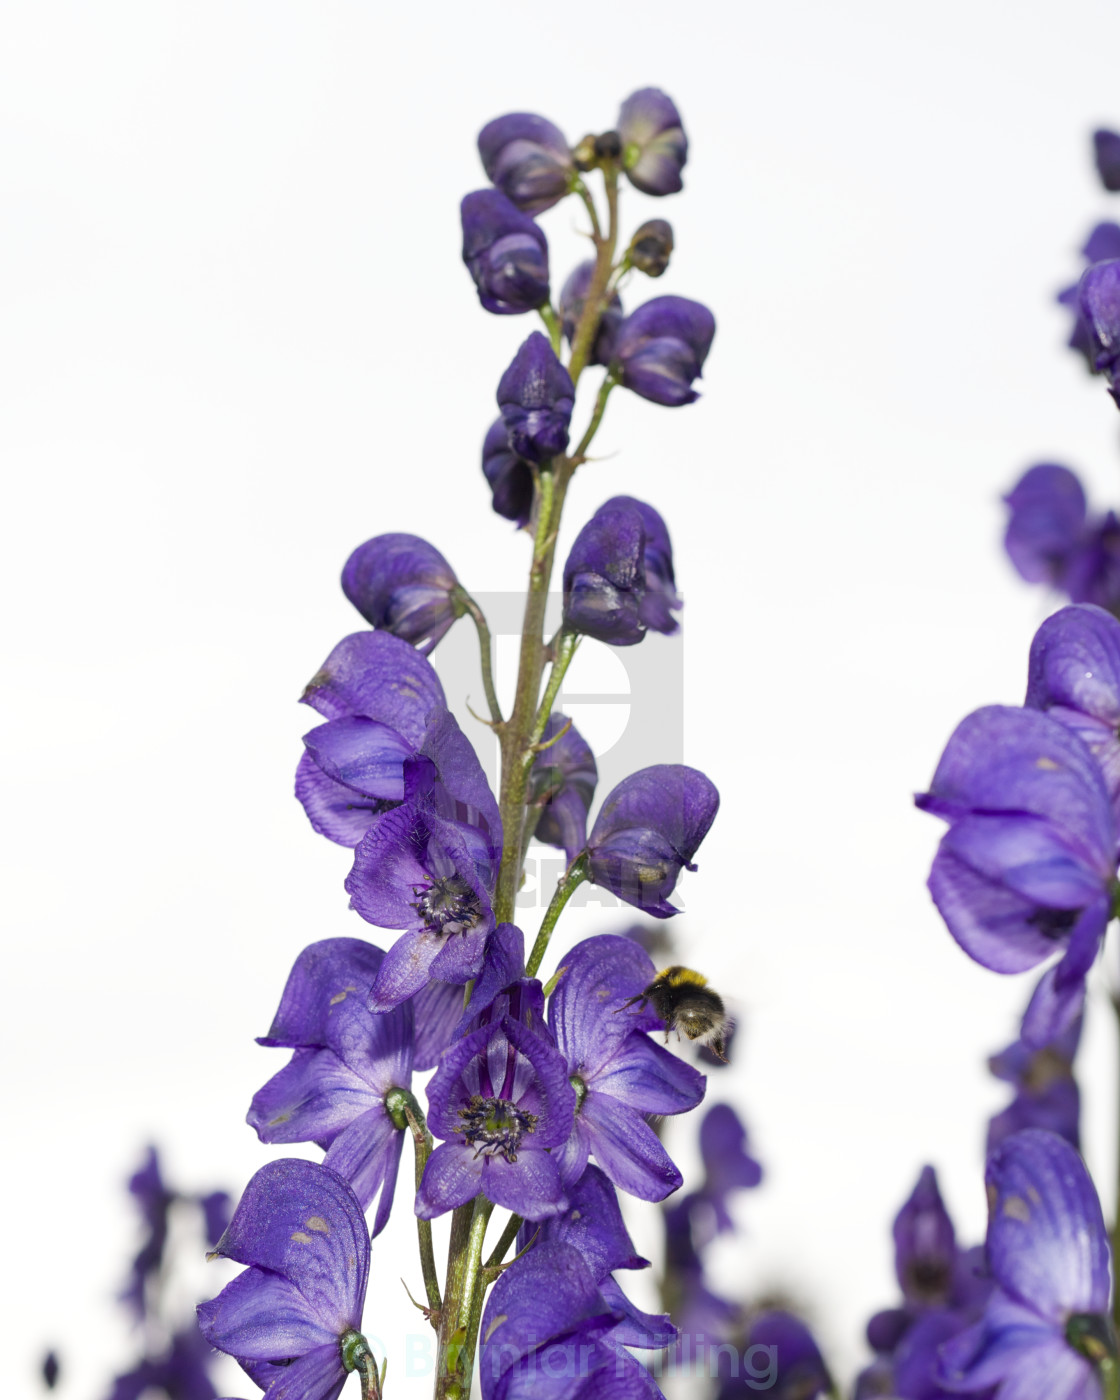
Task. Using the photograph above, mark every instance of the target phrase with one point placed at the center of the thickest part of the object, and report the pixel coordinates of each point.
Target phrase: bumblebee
(685, 1002)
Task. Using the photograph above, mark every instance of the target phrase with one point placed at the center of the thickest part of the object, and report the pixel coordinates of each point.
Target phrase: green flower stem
(1110, 1378)
(566, 644)
(452, 1333)
(566, 886)
(579, 456)
(553, 326)
(1116, 1219)
(404, 1110)
(592, 213)
(463, 600)
(588, 324)
(505, 1239)
(475, 1283)
(356, 1356)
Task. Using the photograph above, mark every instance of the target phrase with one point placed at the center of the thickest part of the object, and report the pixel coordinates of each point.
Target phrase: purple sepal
(154, 1198)
(1074, 675)
(647, 831)
(728, 1164)
(1046, 1093)
(1098, 302)
(654, 146)
(562, 783)
(661, 348)
(505, 252)
(604, 578)
(1046, 523)
(437, 1011)
(1106, 154)
(592, 1223)
(402, 585)
(573, 298)
(587, 1012)
(925, 1245)
(377, 676)
(322, 978)
(649, 1331)
(801, 1369)
(528, 159)
(536, 396)
(300, 1229)
(502, 965)
(510, 478)
(1059, 998)
(661, 599)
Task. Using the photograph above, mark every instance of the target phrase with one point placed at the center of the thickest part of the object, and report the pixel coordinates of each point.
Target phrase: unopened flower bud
(651, 247)
(608, 146)
(536, 397)
(510, 478)
(403, 585)
(528, 159)
(654, 146)
(505, 252)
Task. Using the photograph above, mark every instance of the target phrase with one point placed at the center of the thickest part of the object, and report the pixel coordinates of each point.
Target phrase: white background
(236, 339)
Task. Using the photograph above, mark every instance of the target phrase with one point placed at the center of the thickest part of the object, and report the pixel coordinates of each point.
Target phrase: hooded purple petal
(1046, 522)
(262, 1316)
(728, 1164)
(562, 783)
(1098, 301)
(528, 159)
(505, 252)
(535, 396)
(1106, 153)
(323, 976)
(647, 831)
(378, 676)
(654, 146)
(661, 599)
(403, 585)
(925, 1244)
(604, 577)
(587, 1012)
(661, 347)
(510, 477)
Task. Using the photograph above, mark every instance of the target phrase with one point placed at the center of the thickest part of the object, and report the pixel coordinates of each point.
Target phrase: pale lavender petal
(530, 1187)
(323, 976)
(334, 810)
(649, 1078)
(312, 1099)
(452, 1177)
(627, 1148)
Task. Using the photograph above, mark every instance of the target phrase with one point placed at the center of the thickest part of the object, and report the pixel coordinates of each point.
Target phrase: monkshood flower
(1106, 150)
(509, 476)
(528, 159)
(292, 1317)
(911, 1371)
(547, 1334)
(620, 1075)
(501, 1101)
(1046, 524)
(403, 585)
(661, 348)
(1028, 865)
(618, 578)
(1074, 675)
(1046, 1093)
(573, 298)
(155, 1201)
(376, 694)
(647, 831)
(1103, 243)
(1046, 1324)
(925, 1245)
(535, 396)
(728, 1164)
(654, 146)
(781, 1356)
(505, 252)
(562, 785)
(182, 1374)
(347, 1060)
(1098, 301)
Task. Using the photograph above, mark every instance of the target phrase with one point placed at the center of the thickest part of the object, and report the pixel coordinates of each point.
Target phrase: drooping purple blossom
(562, 784)
(1106, 154)
(620, 1075)
(403, 585)
(1046, 523)
(347, 1060)
(1028, 864)
(925, 1245)
(647, 831)
(528, 159)
(535, 396)
(573, 298)
(1098, 302)
(181, 1372)
(505, 252)
(1074, 675)
(704, 1319)
(155, 1199)
(509, 476)
(654, 146)
(50, 1370)
(728, 1164)
(1103, 243)
(780, 1351)
(1048, 1252)
(618, 577)
(501, 1101)
(660, 348)
(1046, 1093)
(300, 1230)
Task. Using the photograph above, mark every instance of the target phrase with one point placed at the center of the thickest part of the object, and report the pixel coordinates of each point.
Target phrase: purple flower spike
(728, 1164)
(510, 478)
(647, 831)
(301, 1231)
(925, 1245)
(346, 1061)
(505, 252)
(1048, 1253)
(528, 159)
(501, 1100)
(1046, 1093)
(403, 585)
(1098, 301)
(1106, 152)
(573, 296)
(1074, 675)
(1027, 866)
(654, 146)
(536, 397)
(661, 348)
(562, 784)
(1046, 524)
(621, 1076)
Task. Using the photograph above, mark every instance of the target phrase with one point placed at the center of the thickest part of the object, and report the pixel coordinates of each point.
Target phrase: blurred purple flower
(1098, 302)
(505, 252)
(528, 159)
(1103, 243)
(661, 348)
(1106, 152)
(1046, 524)
(654, 146)
(1046, 1093)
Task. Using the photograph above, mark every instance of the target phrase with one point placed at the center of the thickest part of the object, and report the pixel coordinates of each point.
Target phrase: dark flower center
(448, 905)
(1053, 923)
(929, 1279)
(495, 1127)
(1092, 1335)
